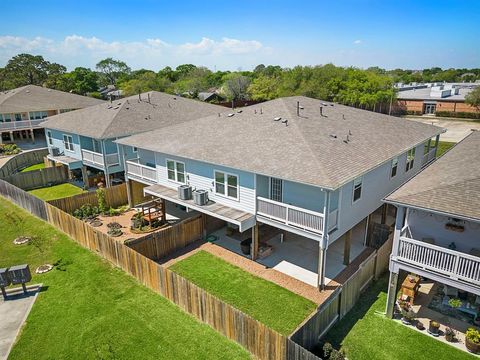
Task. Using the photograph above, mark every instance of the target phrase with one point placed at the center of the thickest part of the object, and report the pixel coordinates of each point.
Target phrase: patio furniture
(410, 286)
(466, 307)
(20, 274)
(4, 281)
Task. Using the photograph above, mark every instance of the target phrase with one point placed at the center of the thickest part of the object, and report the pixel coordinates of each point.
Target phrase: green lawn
(34, 167)
(443, 147)
(57, 191)
(276, 307)
(365, 333)
(92, 310)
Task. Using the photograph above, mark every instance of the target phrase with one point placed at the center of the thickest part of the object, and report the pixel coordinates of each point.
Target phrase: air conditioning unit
(184, 192)
(200, 197)
(54, 151)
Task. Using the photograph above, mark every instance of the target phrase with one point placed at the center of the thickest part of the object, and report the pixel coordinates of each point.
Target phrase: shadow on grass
(341, 329)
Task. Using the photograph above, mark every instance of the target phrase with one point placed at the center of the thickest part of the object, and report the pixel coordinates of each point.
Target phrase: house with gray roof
(437, 231)
(301, 179)
(83, 140)
(23, 109)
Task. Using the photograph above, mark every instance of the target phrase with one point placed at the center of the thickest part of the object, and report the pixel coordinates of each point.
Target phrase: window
(276, 189)
(357, 189)
(65, 110)
(18, 117)
(49, 137)
(410, 159)
(68, 142)
(37, 115)
(394, 167)
(226, 184)
(134, 149)
(7, 117)
(176, 171)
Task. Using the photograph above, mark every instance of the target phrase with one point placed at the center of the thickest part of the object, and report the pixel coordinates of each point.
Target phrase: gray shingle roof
(131, 116)
(450, 185)
(37, 98)
(305, 150)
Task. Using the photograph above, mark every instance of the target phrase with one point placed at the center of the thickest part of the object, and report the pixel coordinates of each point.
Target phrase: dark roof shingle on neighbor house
(37, 98)
(131, 115)
(450, 185)
(324, 149)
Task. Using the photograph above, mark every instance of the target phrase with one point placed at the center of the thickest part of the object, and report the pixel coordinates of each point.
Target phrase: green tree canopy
(111, 71)
(473, 98)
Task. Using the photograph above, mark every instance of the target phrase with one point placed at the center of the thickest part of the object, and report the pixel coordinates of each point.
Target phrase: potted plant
(455, 303)
(408, 316)
(434, 328)
(245, 246)
(472, 340)
(450, 334)
(420, 325)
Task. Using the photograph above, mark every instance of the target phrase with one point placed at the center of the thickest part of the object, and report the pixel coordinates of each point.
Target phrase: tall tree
(26, 69)
(473, 98)
(111, 71)
(236, 86)
(80, 81)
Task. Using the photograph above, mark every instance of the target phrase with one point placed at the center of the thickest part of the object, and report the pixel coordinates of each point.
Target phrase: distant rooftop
(448, 92)
(318, 143)
(450, 185)
(37, 98)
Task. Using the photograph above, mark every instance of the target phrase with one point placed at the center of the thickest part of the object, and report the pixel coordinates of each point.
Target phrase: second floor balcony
(143, 173)
(100, 160)
(21, 125)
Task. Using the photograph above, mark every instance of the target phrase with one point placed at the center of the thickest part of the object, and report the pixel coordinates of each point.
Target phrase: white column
(323, 244)
(399, 223)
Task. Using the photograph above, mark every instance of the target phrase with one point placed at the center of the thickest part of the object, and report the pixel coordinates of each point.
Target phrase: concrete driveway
(13, 313)
(456, 129)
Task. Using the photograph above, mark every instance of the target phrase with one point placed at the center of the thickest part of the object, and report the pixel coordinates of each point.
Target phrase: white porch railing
(428, 157)
(21, 125)
(290, 215)
(446, 262)
(141, 171)
(333, 220)
(98, 159)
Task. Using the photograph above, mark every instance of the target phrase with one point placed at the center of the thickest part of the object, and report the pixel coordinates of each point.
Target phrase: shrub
(114, 225)
(462, 115)
(473, 335)
(102, 203)
(86, 211)
(9, 149)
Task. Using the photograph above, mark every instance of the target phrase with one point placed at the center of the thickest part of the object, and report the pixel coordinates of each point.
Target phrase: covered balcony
(141, 172)
(21, 125)
(100, 160)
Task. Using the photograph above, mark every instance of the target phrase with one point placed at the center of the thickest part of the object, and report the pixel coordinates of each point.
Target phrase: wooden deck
(241, 218)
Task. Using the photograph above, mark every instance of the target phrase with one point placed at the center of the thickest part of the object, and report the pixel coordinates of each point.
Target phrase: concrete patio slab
(13, 313)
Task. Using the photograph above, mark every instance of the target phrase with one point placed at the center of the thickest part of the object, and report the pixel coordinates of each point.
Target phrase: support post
(384, 214)
(164, 213)
(130, 193)
(323, 245)
(33, 136)
(392, 294)
(204, 226)
(11, 136)
(85, 177)
(346, 247)
(254, 249)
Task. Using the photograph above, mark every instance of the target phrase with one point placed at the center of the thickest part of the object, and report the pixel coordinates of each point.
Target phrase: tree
(55, 73)
(81, 81)
(236, 86)
(184, 70)
(473, 98)
(111, 71)
(264, 88)
(148, 81)
(26, 69)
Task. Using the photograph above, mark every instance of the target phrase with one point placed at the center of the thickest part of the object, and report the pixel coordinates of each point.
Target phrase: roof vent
(333, 136)
(285, 122)
(230, 115)
(239, 111)
(254, 111)
(277, 119)
(119, 103)
(324, 104)
(343, 115)
(27, 91)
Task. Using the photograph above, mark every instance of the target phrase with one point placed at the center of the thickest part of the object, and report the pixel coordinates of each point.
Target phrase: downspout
(323, 245)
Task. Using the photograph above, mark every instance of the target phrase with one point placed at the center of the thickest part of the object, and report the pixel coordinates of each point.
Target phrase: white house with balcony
(83, 140)
(22, 110)
(299, 178)
(437, 235)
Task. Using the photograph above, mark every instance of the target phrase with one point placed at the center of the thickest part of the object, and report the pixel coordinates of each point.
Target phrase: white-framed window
(49, 137)
(7, 117)
(18, 117)
(276, 189)
(37, 115)
(134, 149)
(410, 159)
(357, 189)
(68, 142)
(176, 171)
(226, 184)
(394, 169)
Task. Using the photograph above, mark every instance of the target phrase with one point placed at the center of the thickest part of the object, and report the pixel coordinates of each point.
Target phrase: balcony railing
(290, 215)
(453, 264)
(21, 125)
(98, 159)
(429, 157)
(143, 172)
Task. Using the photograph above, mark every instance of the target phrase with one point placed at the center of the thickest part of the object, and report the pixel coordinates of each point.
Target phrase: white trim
(353, 189)
(71, 143)
(396, 167)
(270, 187)
(175, 170)
(225, 184)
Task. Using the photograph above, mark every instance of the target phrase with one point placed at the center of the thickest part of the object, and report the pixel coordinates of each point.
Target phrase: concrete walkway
(13, 313)
(456, 129)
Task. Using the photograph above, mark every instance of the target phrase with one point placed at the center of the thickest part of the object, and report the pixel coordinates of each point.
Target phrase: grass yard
(276, 307)
(91, 310)
(443, 147)
(365, 333)
(57, 191)
(34, 167)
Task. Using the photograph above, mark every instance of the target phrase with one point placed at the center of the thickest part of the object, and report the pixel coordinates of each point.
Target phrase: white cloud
(357, 42)
(75, 50)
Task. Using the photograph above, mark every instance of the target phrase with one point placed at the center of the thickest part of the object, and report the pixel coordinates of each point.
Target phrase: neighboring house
(23, 109)
(437, 231)
(429, 100)
(210, 97)
(312, 170)
(83, 140)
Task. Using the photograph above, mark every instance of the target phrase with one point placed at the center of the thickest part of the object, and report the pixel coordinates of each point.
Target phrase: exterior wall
(376, 185)
(451, 106)
(428, 225)
(200, 175)
(57, 139)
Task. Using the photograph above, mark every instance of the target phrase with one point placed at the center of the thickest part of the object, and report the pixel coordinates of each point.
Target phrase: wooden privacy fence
(114, 196)
(38, 178)
(23, 199)
(21, 161)
(164, 242)
(343, 299)
(260, 340)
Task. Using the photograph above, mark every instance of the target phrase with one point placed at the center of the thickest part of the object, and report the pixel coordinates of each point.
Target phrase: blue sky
(240, 34)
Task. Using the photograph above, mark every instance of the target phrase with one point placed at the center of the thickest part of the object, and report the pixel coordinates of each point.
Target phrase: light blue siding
(57, 141)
